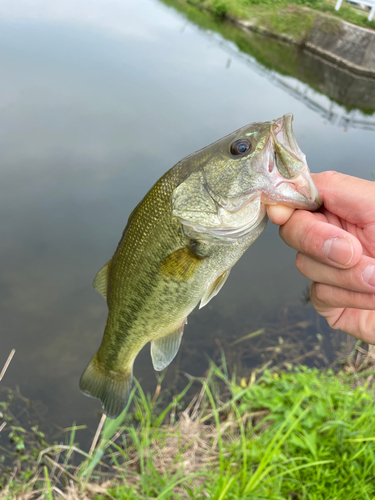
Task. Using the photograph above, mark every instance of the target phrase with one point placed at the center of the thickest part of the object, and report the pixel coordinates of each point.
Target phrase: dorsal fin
(214, 288)
(164, 350)
(101, 279)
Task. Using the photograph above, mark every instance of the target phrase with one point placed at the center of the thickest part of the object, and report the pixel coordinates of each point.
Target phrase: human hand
(336, 250)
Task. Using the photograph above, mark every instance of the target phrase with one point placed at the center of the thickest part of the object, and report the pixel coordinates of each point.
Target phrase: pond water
(98, 99)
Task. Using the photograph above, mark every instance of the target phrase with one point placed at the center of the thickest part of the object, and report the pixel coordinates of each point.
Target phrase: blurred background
(98, 99)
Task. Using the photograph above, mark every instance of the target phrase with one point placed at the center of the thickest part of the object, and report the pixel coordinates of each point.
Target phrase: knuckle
(319, 291)
(326, 295)
(300, 260)
(330, 178)
(333, 323)
(292, 230)
(313, 294)
(355, 275)
(308, 239)
(371, 300)
(328, 175)
(302, 264)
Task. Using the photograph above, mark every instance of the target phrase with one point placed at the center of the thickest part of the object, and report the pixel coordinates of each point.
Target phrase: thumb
(347, 197)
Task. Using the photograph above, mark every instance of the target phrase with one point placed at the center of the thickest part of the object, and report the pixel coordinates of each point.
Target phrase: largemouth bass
(181, 242)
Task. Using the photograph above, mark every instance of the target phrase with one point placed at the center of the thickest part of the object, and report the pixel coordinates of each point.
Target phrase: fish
(182, 240)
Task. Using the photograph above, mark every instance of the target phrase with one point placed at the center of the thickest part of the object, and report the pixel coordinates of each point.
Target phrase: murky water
(99, 99)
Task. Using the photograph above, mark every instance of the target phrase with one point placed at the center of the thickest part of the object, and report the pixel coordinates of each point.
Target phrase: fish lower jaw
(293, 194)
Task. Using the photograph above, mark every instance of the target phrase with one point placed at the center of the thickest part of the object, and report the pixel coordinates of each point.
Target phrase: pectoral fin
(164, 350)
(180, 265)
(101, 279)
(214, 289)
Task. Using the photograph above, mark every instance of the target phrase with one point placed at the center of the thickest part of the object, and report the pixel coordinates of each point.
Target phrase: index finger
(324, 242)
(279, 214)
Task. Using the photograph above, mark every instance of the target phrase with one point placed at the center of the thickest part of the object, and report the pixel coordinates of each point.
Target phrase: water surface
(98, 100)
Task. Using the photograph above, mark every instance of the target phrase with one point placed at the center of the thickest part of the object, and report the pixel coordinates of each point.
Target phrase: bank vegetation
(291, 433)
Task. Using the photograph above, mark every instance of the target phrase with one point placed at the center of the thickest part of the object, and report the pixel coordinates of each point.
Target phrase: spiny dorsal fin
(101, 279)
(214, 289)
(164, 350)
(180, 265)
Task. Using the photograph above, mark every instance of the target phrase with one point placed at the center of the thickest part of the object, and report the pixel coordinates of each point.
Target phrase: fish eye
(240, 147)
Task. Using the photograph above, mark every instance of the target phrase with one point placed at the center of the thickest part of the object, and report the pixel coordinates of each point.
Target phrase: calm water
(98, 100)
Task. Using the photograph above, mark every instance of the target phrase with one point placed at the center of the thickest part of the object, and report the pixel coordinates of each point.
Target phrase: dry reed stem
(7, 363)
(188, 445)
(97, 434)
(193, 438)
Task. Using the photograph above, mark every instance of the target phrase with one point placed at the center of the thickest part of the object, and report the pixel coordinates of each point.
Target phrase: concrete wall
(340, 84)
(344, 44)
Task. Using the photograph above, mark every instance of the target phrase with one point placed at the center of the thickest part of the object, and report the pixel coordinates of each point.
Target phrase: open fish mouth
(289, 175)
(303, 192)
(283, 125)
(288, 119)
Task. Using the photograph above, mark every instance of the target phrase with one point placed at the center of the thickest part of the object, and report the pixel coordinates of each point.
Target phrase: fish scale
(182, 240)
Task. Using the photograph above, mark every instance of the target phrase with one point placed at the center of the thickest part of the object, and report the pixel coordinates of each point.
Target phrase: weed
(298, 13)
(300, 432)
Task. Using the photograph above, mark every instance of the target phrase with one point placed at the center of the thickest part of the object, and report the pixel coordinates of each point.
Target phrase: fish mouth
(301, 192)
(288, 173)
(288, 119)
(283, 125)
(304, 185)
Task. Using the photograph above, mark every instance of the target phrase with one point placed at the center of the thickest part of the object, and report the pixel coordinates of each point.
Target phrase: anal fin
(101, 279)
(164, 350)
(214, 288)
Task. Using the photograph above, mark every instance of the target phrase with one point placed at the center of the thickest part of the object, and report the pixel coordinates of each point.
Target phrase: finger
(348, 197)
(356, 322)
(325, 297)
(279, 214)
(359, 278)
(324, 242)
(332, 218)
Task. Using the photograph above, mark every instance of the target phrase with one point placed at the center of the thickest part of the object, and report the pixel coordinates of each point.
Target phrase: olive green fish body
(181, 242)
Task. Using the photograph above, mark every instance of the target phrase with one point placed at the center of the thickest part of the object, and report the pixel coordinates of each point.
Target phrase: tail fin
(112, 388)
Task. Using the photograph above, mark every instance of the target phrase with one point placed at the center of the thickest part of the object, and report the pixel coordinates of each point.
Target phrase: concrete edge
(330, 56)
(339, 61)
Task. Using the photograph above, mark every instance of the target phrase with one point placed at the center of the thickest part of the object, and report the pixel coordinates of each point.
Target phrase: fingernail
(339, 250)
(368, 275)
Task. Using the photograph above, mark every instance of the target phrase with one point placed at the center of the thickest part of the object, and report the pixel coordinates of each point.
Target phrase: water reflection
(97, 102)
(339, 96)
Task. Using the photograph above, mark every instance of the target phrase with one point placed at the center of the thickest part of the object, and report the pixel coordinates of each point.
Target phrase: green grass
(350, 14)
(291, 18)
(300, 433)
(277, 17)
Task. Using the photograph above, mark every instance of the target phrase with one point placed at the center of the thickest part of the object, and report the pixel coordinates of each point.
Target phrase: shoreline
(270, 431)
(337, 41)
